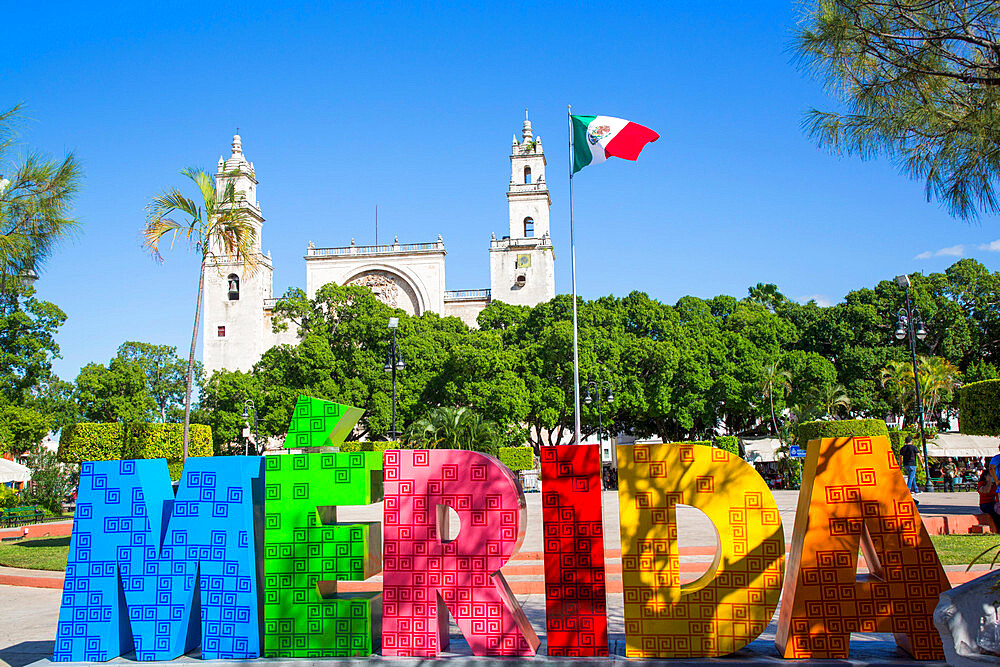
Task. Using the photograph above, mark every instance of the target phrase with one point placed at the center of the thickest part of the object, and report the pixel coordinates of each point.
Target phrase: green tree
(774, 378)
(21, 428)
(833, 400)
(222, 403)
(455, 428)
(27, 344)
(35, 201)
(921, 83)
(219, 227)
(164, 371)
(51, 482)
(114, 393)
(938, 380)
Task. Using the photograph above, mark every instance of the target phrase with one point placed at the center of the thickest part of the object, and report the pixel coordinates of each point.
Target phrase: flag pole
(572, 245)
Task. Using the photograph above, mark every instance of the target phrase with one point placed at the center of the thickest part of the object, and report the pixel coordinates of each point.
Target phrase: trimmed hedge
(517, 458)
(730, 443)
(111, 442)
(843, 428)
(979, 408)
(372, 446)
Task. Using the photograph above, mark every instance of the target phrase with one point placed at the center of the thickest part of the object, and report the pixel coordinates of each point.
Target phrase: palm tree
(832, 399)
(220, 226)
(35, 200)
(938, 379)
(773, 377)
(897, 377)
(454, 428)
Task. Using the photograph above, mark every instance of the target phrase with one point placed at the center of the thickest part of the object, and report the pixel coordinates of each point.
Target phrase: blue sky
(412, 106)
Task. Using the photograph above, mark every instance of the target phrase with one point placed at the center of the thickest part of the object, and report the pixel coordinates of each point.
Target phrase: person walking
(909, 456)
(948, 473)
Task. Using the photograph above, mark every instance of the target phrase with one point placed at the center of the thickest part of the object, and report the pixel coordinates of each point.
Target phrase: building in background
(410, 276)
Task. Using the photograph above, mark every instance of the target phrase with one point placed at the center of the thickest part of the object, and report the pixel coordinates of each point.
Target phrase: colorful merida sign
(244, 560)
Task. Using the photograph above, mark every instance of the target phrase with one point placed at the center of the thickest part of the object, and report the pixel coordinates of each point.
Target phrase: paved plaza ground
(28, 616)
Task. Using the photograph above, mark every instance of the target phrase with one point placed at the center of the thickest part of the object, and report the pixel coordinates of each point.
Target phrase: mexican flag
(595, 138)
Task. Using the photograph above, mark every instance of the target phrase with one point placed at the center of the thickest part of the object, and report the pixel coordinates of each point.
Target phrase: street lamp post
(598, 388)
(905, 319)
(246, 422)
(393, 363)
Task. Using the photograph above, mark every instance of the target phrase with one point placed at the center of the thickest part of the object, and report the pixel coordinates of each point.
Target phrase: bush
(112, 442)
(8, 497)
(517, 458)
(979, 408)
(372, 446)
(50, 481)
(843, 428)
(730, 443)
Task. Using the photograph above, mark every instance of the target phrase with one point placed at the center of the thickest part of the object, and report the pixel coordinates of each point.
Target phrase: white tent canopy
(761, 450)
(13, 472)
(959, 444)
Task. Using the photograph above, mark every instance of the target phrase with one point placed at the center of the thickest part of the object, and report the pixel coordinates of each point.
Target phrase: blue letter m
(170, 562)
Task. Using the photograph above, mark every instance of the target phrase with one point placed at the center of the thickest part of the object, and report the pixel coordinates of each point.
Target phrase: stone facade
(410, 276)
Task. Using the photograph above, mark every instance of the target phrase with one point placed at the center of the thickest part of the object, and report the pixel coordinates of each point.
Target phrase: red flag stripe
(629, 142)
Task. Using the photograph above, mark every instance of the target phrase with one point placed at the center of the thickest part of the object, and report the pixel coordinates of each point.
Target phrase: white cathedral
(238, 308)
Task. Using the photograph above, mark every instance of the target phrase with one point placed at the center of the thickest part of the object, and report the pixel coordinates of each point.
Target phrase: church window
(234, 287)
(529, 227)
(527, 175)
(222, 331)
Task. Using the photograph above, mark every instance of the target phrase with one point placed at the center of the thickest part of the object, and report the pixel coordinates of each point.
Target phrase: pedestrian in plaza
(909, 456)
(988, 497)
(992, 469)
(948, 473)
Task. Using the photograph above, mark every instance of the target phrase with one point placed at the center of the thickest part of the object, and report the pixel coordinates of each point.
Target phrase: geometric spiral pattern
(575, 597)
(306, 552)
(854, 497)
(424, 578)
(319, 423)
(117, 559)
(732, 603)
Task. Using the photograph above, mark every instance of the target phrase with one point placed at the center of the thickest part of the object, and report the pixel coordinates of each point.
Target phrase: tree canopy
(680, 371)
(920, 80)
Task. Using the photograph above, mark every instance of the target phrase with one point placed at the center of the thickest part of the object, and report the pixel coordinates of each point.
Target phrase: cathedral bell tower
(237, 329)
(522, 263)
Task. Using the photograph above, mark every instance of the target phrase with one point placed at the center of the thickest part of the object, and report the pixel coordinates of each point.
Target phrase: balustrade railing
(467, 295)
(375, 249)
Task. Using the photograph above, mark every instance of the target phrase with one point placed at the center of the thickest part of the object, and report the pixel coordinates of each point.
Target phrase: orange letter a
(854, 496)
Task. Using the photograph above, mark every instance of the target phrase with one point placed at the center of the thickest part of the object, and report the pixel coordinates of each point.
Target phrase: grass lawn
(44, 553)
(961, 549)
(50, 553)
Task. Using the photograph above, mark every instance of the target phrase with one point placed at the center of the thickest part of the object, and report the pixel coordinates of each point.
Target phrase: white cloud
(992, 246)
(951, 251)
(821, 300)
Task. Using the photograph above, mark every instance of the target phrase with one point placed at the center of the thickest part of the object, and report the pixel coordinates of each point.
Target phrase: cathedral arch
(393, 285)
(529, 226)
(527, 175)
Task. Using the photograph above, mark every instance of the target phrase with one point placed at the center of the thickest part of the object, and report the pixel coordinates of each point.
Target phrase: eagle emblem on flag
(598, 132)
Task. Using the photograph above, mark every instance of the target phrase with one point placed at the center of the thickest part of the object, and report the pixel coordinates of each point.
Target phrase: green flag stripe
(581, 149)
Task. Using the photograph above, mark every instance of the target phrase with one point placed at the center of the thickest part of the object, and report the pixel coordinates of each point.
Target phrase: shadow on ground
(44, 542)
(26, 653)
(926, 507)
